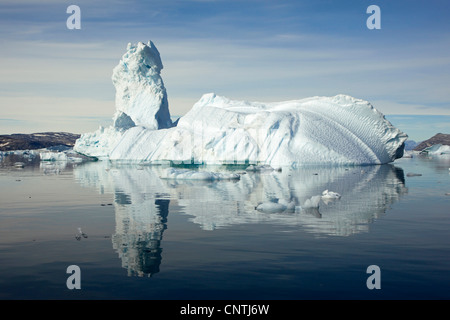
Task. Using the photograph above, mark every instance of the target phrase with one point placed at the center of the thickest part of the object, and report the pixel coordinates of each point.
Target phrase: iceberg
(436, 149)
(261, 168)
(141, 100)
(313, 202)
(217, 130)
(330, 195)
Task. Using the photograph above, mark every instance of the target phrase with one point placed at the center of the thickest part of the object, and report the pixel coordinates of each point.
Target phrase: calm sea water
(149, 238)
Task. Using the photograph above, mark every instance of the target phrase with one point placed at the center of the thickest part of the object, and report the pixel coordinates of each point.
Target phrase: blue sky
(53, 79)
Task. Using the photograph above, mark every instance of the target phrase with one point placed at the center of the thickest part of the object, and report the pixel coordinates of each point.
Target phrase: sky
(57, 79)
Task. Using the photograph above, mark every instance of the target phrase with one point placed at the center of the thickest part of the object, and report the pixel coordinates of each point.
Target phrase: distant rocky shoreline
(440, 138)
(35, 141)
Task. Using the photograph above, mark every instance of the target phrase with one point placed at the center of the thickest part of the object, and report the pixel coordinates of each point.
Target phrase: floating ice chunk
(261, 168)
(19, 164)
(255, 168)
(53, 156)
(312, 202)
(67, 156)
(330, 195)
(408, 154)
(290, 205)
(186, 174)
(412, 174)
(437, 149)
(271, 207)
(80, 234)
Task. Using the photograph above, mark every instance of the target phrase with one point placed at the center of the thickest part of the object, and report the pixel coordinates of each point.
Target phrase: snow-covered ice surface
(218, 130)
(320, 130)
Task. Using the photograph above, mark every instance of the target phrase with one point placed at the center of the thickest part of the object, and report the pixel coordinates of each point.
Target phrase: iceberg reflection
(140, 213)
(142, 202)
(138, 236)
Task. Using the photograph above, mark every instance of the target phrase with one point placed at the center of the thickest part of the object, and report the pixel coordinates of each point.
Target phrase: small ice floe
(53, 156)
(186, 174)
(311, 206)
(312, 202)
(436, 150)
(412, 174)
(407, 154)
(19, 164)
(276, 207)
(80, 234)
(62, 154)
(331, 195)
(261, 168)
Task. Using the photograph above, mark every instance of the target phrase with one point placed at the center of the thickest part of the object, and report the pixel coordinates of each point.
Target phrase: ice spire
(141, 97)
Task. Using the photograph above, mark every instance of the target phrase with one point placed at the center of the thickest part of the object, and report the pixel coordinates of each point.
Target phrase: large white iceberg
(141, 100)
(217, 130)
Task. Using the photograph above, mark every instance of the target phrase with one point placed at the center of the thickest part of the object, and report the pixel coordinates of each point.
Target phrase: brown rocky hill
(440, 138)
(37, 140)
